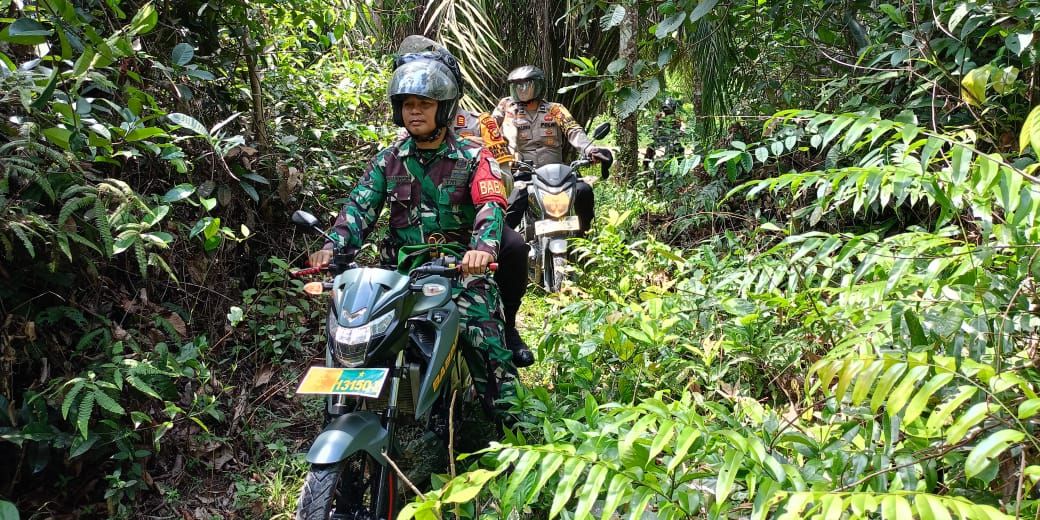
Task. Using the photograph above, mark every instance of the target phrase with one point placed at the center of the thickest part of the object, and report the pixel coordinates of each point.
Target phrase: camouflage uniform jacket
(454, 193)
(537, 137)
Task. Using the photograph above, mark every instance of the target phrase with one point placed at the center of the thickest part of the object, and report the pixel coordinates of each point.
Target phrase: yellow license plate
(544, 227)
(362, 382)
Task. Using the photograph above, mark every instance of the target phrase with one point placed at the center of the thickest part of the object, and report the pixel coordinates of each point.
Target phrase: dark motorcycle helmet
(669, 106)
(521, 75)
(417, 47)
(427, 78)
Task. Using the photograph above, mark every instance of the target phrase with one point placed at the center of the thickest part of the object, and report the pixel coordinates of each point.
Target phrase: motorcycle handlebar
(309, 271)
(451, 272)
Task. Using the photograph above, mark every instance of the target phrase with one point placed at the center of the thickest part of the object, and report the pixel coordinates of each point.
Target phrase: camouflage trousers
(490, 361)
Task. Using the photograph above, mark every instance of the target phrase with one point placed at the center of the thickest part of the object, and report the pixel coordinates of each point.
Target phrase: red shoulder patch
(487, 186)
(460, 121)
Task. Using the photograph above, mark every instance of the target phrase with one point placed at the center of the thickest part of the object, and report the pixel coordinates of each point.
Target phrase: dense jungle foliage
(826, 308)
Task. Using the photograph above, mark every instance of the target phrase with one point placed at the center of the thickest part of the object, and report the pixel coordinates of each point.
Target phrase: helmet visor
(424, 78)
(524, 90)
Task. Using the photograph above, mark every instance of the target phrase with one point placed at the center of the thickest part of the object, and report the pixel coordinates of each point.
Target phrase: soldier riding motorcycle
(392, 359)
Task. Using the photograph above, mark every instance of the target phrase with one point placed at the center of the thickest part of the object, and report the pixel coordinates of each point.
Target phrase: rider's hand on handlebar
(320, 258)
(597, 155)
(475, 262)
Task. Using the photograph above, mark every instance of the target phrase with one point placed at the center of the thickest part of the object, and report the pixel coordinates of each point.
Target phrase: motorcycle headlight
(350, 343)
(556, 205)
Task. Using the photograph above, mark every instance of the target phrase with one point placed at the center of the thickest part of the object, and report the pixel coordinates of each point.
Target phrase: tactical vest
(438, 202)
(536, 137)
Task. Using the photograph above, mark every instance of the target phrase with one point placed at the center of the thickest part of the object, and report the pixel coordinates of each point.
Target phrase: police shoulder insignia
(460, 120)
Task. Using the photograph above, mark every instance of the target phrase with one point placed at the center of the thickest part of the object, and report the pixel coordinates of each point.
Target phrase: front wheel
(559, 271)
(346, 489)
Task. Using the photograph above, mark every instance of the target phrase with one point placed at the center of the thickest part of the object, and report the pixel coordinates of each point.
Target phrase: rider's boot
(522, 356)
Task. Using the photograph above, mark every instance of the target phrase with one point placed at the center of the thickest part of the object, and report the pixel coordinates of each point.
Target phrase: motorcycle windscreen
(555, 175)
(361, 294)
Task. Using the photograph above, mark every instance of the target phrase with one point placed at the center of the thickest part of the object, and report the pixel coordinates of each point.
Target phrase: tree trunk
(259, 120)
(628, 128)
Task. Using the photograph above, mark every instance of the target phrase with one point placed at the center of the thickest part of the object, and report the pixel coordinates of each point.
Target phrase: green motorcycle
(392, 361)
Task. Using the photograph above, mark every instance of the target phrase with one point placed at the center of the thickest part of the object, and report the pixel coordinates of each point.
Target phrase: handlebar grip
(308, 271)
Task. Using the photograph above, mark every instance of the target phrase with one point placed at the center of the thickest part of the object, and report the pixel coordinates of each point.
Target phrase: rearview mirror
(601, 131)
(306, 220)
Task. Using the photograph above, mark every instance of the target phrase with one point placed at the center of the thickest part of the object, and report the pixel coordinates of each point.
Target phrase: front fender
(348, 434)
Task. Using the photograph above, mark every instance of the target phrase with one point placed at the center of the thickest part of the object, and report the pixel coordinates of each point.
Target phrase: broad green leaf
(572, 471)
(920, 400)
(520, 471)
(8, 511)
(960, 164)
(973, 85)
(990, 447)
(831, 507)
(1003, 79)
(590, 491)
(79, 447)
(1028, 408)
(48, 91)
(665, 433)
(865, 380)
(25, 31)
(686, 438)
(182, 54)
(468, 486)
(902, 393)
(973, 416)
(795, 504)
(895, 507)
(617, 493)
(546, 470)
(939, 416)
(188, 122)
(179, 192)
(703, 8)
(959, 13)
(1018, 42)
(930, 508)
(139, 134)
(612, 17)
(144, 21)
(1030, 131)
(728, 473)
(851, 370)
(887, 381)
(58, 136)
(665, 56)
(670, 24)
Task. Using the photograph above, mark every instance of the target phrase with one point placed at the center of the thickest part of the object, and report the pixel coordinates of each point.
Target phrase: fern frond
(74, 205)
(85, 410)
(142, 258)
(142, 386)
(156, 260)
(107, 402)
(70, 396)
(103, 226)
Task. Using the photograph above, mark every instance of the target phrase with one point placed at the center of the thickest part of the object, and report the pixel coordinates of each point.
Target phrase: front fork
(390, 420)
